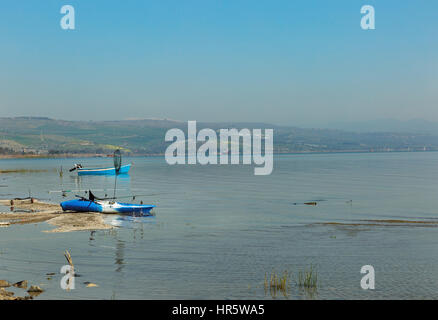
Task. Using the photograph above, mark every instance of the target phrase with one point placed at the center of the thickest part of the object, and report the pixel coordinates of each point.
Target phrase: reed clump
(308, 278)
(277, 283)
(306, 281)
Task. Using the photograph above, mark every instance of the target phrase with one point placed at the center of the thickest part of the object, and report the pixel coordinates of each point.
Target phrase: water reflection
(136, 224)
(92, 236)
(129, 221)
(76, 181)
(119, 259)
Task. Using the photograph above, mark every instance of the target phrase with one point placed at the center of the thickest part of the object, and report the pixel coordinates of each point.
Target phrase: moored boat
(115, 170)
(104, 206)
(103, 171)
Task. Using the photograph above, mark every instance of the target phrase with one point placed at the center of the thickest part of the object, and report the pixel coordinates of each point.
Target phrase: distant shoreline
(66, 155)
(91, 155)
(47, 156)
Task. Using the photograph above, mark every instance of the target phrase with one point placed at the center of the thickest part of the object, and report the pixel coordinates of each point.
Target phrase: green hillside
(140, 137)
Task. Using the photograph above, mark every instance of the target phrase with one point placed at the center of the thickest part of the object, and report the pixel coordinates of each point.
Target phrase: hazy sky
(290, 62)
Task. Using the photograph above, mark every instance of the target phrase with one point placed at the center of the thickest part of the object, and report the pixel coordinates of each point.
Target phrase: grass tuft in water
(308, 278)
(275, 283)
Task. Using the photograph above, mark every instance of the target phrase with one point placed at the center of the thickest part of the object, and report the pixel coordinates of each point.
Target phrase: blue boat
(104, 206)
(103, 171)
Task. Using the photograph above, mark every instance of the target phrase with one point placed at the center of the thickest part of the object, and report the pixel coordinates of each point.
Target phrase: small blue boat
(116, 170)
(104, 206)
(103, 171)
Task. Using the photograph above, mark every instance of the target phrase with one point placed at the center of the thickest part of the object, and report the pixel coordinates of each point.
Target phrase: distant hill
(145, 137)
(388, 125)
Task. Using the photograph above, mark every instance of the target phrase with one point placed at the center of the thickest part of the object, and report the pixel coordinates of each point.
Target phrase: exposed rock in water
(4, 284)
(35, 289)
(34, 294)
(6, 295)
(91, 285)
(21, 284)
(24, 298)
(3, 292)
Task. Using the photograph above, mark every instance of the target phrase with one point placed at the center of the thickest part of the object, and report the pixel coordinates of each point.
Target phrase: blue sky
(287, 62)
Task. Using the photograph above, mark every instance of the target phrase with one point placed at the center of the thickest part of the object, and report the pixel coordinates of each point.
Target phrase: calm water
(218, 229)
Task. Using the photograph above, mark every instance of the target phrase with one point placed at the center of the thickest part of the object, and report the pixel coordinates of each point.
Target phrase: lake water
(219, 229)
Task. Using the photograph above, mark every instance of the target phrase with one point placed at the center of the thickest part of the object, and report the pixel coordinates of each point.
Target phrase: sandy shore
(39, 211)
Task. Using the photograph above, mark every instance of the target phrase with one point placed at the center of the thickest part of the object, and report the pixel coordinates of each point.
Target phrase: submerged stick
(69, 259)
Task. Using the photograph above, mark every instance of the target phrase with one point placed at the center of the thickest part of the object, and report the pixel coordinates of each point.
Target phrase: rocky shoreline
(25, 211)
(30, 291)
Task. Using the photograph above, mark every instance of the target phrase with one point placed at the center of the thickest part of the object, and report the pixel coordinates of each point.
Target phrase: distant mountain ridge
(387, 125)
(146, 136)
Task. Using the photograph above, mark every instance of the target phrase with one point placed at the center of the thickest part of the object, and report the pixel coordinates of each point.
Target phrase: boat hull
(103, 171)
(80, 205)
